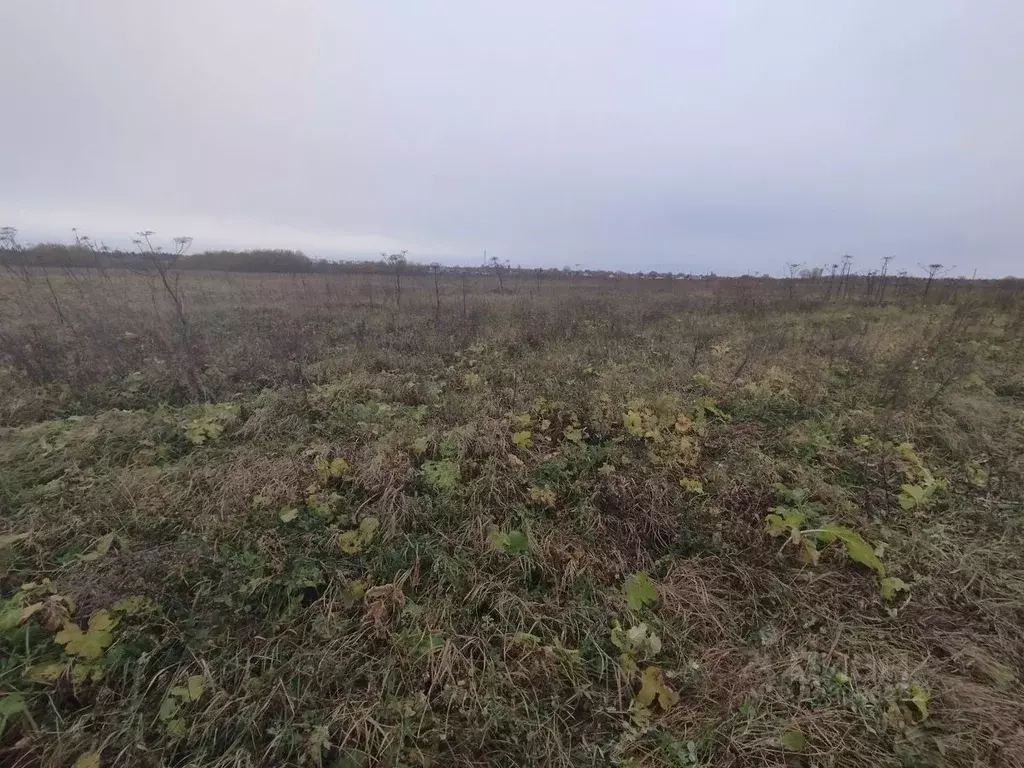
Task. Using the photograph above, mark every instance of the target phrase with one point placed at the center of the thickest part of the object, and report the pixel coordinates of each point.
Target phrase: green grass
(533, 533)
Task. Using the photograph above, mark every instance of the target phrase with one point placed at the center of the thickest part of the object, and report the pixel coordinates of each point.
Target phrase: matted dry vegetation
(529, 524)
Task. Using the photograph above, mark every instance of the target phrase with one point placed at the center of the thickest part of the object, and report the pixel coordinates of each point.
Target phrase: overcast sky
(721, 134)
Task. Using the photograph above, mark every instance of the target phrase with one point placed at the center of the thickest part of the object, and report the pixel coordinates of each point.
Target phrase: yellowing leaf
(191, 691)
(45, 673)
(911, 497)
(543, 496)
(70, 633)
(856, 547)
(88, 760)
(808, 552)
(784, 520)
(350, 542)
(356, 588)
(338, 467)
(522, 439)
(101, 548)
(653, 688)
(353, 542)
(101, 621)
(916, 492)
(354, 592)
(89, 644)
(196, 686)
(513, 542)
(368, 527)
(640, 716)
(573, 434)
(288, 515)
(26, 613)
(634, 423)
(135, 605)
(497, 539)
(639, 591)
(692, 485)
(891, 585)
(920, 698)
(525, 638)
(82, 672)
(638, 642)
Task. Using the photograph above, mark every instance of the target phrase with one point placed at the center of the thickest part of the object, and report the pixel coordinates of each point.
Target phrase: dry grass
(364, 565)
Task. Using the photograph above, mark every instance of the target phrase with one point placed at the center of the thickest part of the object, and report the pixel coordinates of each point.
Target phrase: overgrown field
(281, 520)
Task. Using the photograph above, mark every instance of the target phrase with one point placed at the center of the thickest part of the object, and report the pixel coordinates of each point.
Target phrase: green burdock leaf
(169, 708)
(639, 591)
(517, 543)
(12, 704)
(10, 618)
(793, 741)
(856, 547)
(192, 690)
(176, 727)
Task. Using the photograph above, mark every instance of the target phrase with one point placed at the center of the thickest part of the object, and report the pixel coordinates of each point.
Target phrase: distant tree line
(86, 257)
(85, 253)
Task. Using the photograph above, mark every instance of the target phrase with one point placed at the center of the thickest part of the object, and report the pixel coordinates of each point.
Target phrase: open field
(267, 520)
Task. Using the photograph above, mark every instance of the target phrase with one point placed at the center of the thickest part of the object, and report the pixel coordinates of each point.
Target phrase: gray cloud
(666, 135)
